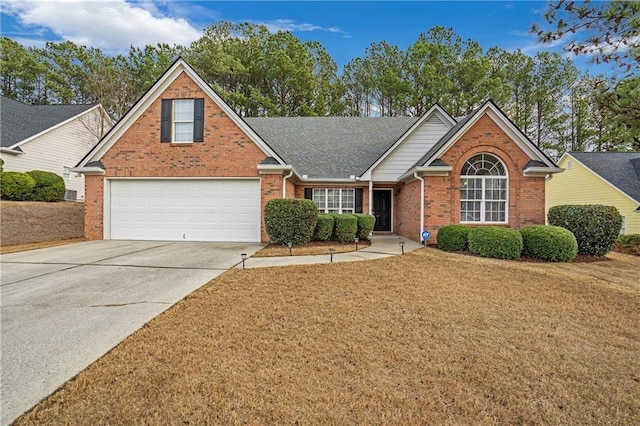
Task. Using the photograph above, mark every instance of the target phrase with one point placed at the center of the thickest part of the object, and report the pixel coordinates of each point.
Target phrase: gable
(178, 69)
(420, 141)
(621, 170)
(225, 150)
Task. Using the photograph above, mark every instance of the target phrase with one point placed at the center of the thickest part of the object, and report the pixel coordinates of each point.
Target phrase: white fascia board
(426, 171)
(152, 94)
(541, 171)
(88, 170)
(328, 180)
(11, 151)
(272, 169)
(434, 110)
(62, 123)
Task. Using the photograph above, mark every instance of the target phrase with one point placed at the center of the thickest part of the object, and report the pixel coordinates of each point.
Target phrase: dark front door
(382, 210)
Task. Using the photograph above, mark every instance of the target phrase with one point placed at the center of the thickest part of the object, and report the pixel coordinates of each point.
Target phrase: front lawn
(426, 338)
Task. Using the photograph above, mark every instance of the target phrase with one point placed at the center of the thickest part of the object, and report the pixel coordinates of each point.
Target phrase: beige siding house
(609, 178)
(53, 138)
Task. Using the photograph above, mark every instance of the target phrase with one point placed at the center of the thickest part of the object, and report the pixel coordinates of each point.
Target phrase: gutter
(11, 151)
(87, 171)
(421, 179)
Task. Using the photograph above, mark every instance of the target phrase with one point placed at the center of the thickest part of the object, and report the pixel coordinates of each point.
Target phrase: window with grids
(183, 120)
(334, 200)
(483, 190)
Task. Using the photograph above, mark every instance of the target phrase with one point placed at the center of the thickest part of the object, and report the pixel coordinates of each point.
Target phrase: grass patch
(473, 341)
(310, 249)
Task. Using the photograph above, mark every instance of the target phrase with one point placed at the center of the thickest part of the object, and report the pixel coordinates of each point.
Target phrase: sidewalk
(381, 246)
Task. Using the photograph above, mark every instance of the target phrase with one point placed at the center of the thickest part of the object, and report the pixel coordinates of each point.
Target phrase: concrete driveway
(64, 307)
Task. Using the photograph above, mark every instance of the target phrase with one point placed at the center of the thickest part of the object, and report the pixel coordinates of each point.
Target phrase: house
(52, 138)
(609, 178)
(182, 165)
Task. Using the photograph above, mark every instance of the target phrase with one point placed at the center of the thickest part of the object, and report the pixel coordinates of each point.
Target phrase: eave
(541, 171)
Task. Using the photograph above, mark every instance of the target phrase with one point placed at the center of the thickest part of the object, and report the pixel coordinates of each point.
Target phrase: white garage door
(190, 210)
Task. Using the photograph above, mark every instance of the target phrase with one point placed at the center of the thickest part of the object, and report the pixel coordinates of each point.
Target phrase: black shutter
(358, 200)
(198, 120)
(308, 193)
(165, 124)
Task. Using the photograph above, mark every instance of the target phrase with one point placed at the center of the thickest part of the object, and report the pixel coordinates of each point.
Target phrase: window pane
(183, 110)
(183, 132)
(470, 211)
(319, 197)
(348, 197)
(333, 200)
(495, 211)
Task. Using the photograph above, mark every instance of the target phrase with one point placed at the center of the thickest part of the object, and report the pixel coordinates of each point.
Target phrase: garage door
(191, 210)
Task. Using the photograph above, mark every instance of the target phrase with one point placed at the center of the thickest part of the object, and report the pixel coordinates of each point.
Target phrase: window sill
(181, 144)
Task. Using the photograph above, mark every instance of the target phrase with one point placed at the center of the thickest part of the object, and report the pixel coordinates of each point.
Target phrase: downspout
(370, 197)
(421, 179)
(284, 183)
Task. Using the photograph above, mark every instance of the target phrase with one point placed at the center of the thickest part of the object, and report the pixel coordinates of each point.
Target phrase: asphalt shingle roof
(618, 168)
(19, 121)
(331, 147)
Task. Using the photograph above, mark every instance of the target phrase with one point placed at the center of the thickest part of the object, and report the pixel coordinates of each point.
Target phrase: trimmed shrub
(494, 241)
(16, 186)
(324, 227)
(366, 222)
(596, 227)
(290, 220)
(551, 243)
(453, 237)
(629, 244)
(346, 227)
(49, 186)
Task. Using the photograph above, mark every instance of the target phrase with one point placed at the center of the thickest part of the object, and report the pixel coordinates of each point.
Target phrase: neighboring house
(182, 165)
(609, 178)
(52, 138)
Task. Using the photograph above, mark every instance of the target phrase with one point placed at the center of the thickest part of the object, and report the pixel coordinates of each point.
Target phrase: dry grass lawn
(425, 338)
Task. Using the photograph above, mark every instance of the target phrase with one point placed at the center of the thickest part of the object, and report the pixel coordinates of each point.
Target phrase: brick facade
(228, 152)
(225, 152)
(442, 194)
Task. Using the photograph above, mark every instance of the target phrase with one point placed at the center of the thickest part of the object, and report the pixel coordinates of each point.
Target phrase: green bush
(595, 227)
(551, 243)
(494, 241)
(49, 186)
(629, 244)
(290, 220)
(366, 222)
(346, 227)
(324, 228)
(453, 237)
(16, 186)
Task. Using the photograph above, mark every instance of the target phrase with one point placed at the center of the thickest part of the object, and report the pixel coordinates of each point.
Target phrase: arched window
(483, 190)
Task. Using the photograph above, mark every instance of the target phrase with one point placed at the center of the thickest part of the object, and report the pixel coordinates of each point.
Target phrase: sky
(344, 28)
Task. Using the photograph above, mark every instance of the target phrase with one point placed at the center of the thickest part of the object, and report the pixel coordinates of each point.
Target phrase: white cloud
(292, 26)
(107, 24)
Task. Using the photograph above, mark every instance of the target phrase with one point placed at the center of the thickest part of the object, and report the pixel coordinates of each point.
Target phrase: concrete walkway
(381, 246)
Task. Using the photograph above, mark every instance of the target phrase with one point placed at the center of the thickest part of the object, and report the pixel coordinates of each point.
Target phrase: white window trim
(66, 173)
(174, 121)
(326, 200)
(483, 201)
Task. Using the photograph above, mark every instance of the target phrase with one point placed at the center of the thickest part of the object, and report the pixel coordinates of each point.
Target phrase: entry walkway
(381, 246)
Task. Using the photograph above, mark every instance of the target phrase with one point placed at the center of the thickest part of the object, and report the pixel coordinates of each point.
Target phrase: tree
(610, 31)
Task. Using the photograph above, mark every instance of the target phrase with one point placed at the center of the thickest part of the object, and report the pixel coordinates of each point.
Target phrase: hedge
(290, 220)
(324, 228)
(346, 227)
(49, 186)
(366, 223)
(495, 241)
(550, 243)
(453, 237)
(629, 243)
(16, 186)
(596, 227)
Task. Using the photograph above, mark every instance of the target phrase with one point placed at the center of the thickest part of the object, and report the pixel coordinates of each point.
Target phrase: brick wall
(225, 152)
(407, 217)
(526, 194)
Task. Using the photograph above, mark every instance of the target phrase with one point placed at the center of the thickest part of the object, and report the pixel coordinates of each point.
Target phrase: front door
(382, 210)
